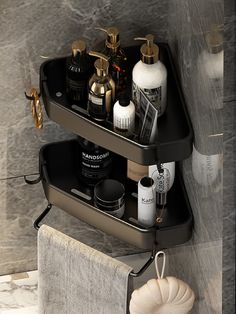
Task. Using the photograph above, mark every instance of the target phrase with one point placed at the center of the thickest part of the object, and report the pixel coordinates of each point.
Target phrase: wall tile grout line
(19, 176)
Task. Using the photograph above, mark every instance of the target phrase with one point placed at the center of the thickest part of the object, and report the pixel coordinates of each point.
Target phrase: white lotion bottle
(146, 202)
(211, 65)
(124, 116)
(206, 168)
(150, 75)
(163, 177)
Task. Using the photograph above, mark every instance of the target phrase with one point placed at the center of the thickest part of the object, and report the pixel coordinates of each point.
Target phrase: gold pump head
(149, 51)
(100, 64)
(214, 40)
(113, 37)
(78, 46)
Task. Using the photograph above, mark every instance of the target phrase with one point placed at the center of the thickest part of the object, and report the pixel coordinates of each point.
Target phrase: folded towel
(77, 279)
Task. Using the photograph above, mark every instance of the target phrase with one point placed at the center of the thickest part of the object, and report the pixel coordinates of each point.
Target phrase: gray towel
(76, 279)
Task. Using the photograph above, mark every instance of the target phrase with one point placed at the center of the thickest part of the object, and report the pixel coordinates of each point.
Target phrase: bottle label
(155, 95)
(77, 90)
(95, 165)
(96, 100)
(97, 107)
(135, 95)
(163, 180)
(123, 126)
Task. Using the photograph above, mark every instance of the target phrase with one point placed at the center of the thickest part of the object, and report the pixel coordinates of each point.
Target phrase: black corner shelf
(61, 183)
(175, 134)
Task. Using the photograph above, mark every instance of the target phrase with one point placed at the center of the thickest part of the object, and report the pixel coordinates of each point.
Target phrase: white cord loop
(163, 264)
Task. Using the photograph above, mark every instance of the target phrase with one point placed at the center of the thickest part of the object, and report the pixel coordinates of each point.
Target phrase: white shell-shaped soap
(162, 296)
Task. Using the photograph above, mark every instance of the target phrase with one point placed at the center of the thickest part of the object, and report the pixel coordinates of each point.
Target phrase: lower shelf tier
(60, 173)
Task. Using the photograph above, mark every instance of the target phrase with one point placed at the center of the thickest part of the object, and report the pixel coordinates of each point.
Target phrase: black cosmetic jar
(109, 197)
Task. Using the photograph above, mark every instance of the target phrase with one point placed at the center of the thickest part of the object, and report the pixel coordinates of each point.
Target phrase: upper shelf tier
(174, 142)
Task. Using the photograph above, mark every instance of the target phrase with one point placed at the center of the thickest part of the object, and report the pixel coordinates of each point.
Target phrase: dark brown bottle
(117, 58)
(78, 72)
(95, 161)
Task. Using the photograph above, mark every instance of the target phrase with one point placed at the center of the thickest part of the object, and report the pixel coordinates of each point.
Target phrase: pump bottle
(117, 58)
(78, 72)
(150, 75)
(101, 89)
(210, 65)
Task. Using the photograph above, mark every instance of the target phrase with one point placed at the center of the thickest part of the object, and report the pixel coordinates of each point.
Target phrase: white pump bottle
(150, 75)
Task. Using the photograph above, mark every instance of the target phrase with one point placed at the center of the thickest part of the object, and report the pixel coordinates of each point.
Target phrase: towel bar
(132, 273)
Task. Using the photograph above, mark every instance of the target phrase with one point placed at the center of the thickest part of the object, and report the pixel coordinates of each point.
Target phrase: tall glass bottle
(78, 72)
(117, 58)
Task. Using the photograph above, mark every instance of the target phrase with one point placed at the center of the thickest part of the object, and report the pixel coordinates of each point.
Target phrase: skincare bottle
(206, 167)
(101, 89)
(150, 75)
(117, 58)
(95, 161)
(163, 176)
(124, 116)
(146, 202)
(211, 66)
(78, 72)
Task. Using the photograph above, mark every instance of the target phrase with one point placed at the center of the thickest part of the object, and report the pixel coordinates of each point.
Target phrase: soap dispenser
(117, 58)
(150, 75)
(78, 72)
(101, 89)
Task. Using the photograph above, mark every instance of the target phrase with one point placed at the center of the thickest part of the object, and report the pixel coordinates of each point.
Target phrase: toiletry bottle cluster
(100, 86)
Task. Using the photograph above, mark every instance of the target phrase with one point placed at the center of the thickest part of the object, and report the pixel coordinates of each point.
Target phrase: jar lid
(109, 192)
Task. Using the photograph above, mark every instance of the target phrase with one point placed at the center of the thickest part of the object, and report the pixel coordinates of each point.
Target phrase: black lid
(109, 191)
(124, 99)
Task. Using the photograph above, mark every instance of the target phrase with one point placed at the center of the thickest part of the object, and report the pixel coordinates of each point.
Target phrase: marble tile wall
(229, 158)
(201, 74)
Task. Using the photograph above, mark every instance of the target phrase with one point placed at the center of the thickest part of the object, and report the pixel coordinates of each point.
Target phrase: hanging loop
(163, 264)
(36, 107)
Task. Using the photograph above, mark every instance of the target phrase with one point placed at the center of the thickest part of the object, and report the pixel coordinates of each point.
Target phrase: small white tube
(146, 202)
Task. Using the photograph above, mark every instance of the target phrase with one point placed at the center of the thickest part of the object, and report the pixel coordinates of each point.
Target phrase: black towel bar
(132, 273)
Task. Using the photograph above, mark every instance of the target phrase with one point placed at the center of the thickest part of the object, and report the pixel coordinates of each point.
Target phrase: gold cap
(78, 46)
(100, 64)
(214, 40)
(113, 37)
(149, 51)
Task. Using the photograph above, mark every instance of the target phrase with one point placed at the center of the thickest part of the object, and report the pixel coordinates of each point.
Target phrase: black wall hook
(35, 181)
(41, 216)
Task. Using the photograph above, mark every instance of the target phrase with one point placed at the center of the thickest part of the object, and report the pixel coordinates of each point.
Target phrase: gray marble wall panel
(229, 158)
(199, 266)
(201, 75)
(138, 18)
